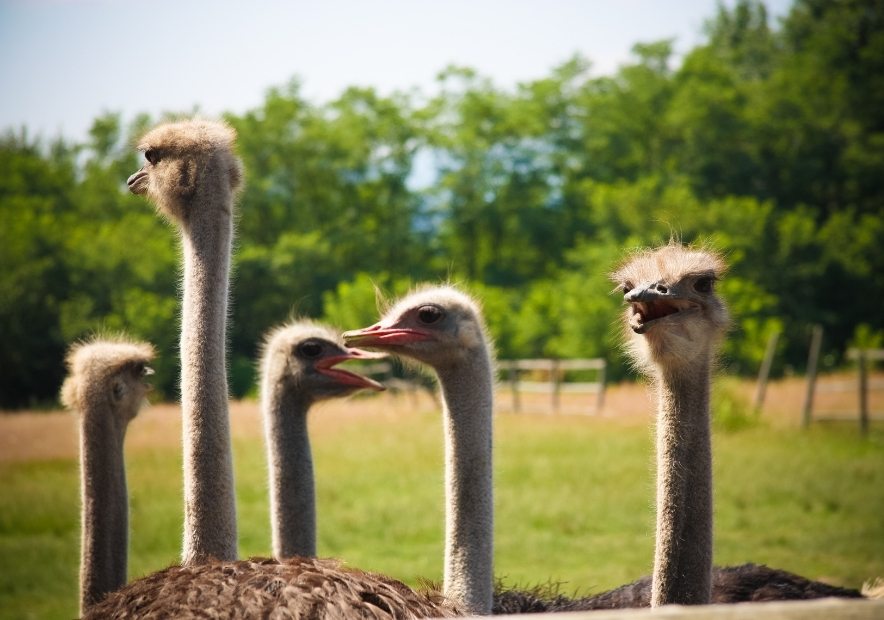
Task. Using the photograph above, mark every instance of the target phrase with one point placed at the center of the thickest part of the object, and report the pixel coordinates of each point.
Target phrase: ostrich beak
(381, 337)
(327, 367)
(649, 305)
(138, 182)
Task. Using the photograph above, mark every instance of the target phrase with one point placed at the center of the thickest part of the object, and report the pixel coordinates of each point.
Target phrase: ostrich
(442, 327)
(298, 369)
(181, 157)
(673, 326)
(106, 386)
(192, 176)
(677, 322)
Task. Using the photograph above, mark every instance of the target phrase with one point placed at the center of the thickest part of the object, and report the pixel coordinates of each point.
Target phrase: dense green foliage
(765, 142)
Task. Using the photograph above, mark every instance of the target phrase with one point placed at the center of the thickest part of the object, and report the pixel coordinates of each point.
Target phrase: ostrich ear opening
(118, 389)
(186, 185)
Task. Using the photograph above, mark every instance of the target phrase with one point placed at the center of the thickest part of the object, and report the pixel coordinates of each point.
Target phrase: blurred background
(520, 149)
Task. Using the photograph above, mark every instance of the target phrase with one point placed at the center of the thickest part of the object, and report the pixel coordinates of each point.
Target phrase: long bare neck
(292, 488)
(683, 554)
(210, 509)
(469, 519)
(105, 514)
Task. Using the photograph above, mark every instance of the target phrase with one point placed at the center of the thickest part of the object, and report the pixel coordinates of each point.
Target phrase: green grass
(573, 505)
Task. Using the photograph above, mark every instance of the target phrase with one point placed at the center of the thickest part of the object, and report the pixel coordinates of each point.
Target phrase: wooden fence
(548, 376)
(862, 385)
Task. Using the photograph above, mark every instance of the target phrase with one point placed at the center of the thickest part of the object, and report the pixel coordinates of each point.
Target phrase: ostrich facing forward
(675, 324)
(298, 368)
(106, 386)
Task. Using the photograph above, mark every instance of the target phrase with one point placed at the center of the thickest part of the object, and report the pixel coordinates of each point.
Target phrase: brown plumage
(746, 583)
(303, 588)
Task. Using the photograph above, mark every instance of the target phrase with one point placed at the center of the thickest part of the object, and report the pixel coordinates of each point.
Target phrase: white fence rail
(548, 376)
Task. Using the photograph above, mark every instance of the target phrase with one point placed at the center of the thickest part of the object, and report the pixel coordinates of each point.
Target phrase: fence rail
(552, 371)
(864, 358)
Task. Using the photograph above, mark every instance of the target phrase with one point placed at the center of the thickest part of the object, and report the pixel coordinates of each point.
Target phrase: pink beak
(377, 336)
(327, 367)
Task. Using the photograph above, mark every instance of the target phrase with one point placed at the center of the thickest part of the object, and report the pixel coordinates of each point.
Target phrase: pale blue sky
(63, 62)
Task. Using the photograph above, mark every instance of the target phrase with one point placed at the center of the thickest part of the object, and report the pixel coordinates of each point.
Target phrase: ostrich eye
(627, 286)
(429, 314)
(704, 285)
(310, 349)
(152, 156)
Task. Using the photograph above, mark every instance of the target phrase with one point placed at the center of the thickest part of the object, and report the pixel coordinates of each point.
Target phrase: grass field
(573, 494)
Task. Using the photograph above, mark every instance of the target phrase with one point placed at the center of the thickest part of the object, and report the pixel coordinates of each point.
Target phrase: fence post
(764, 372)
(514, 385)
(601, 398)
(863, 393)
(554, 372)
(816, 341)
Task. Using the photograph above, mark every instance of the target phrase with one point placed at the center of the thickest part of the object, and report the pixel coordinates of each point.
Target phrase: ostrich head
(108, 373)
(674, 316)
(304, 357)
(438, 326)
(180, 158)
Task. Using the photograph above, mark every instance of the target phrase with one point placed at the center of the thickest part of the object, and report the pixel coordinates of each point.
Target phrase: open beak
(327, 367)
(381, 337)
(649, 306)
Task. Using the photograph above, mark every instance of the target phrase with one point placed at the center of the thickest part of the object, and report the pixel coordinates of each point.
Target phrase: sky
(64, 62)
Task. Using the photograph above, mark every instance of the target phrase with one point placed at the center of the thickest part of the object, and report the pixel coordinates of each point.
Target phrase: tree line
(765, 141)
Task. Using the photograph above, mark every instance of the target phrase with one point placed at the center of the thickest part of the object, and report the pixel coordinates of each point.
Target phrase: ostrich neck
(292, 493)
(210, 510)
(105, 514)
(469, 523)
(683, 554)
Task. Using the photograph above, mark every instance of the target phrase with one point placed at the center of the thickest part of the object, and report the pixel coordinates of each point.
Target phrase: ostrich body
(193, 177)
(297, 370)
(745, 583)
(307, 588)
(106, 387)
(443, 328)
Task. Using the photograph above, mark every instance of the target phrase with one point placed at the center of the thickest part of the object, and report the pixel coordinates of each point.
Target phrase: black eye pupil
(429, 314)
(310, 349)
(626, 288)
(151, 156)
(703, 285)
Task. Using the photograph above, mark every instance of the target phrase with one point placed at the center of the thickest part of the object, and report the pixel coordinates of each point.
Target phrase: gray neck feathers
(683, 554)
(210, 509)
(292, 490)
(105, 514)
(469, 525)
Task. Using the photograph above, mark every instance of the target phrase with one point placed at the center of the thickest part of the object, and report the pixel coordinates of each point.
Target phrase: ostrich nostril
(661, 288)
